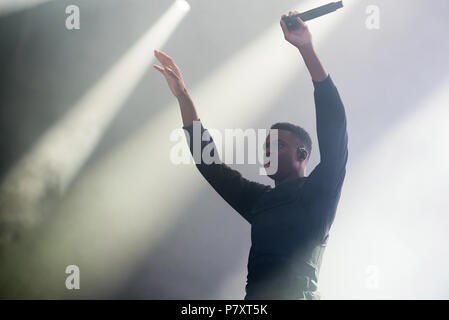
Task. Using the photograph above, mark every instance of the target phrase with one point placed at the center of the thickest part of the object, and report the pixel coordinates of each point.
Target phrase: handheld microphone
(292, 21)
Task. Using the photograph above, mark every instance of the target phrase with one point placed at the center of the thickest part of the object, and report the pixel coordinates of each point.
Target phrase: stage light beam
(48, 169)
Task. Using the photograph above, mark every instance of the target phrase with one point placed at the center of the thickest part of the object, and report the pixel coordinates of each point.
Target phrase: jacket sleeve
(237, 191)
(327, 177)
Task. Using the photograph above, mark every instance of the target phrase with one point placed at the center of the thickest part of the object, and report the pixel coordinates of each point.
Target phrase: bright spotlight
(183, 5)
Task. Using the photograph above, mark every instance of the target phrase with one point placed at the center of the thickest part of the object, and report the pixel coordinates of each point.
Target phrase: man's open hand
(171, 73)
(300, 37)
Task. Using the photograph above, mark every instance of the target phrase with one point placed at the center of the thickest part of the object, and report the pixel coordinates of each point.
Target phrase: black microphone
(292, 21)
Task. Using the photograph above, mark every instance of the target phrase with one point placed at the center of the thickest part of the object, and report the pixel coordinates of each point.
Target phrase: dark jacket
(289, 223)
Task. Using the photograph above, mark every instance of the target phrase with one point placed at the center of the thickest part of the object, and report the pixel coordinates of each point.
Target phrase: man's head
(294, 148)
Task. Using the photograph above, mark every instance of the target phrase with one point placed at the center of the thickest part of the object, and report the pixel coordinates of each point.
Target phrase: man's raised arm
(328, 176)
(239, 192)
(176, 84)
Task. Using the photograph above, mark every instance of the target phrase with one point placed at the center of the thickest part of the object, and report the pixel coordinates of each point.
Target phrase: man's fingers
(164, 56)
(165, 59)
(301, 23)
(166, 71)
(157, 55)
(159, 68)
(291, 13)
(172, 73)
(161, 58)
(284, 27)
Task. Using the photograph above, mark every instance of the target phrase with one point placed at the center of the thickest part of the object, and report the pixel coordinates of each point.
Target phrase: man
(290, 222)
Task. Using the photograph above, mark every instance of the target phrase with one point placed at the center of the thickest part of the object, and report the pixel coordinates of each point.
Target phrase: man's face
(287, 156)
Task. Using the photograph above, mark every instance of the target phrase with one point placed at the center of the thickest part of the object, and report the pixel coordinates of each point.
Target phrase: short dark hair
(302, 134)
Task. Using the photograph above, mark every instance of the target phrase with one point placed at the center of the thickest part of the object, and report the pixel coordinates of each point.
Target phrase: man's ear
(302, 153)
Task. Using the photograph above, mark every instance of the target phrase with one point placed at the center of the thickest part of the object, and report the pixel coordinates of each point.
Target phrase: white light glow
(56, 159)
(389, 241)
(183, 5)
